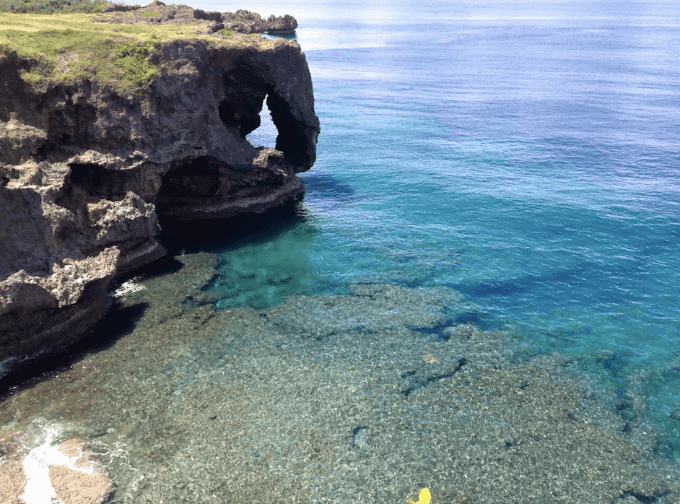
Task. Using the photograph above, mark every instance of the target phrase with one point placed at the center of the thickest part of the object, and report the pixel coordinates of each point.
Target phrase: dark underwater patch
(418, 382)
(438, 330)
(613, 363)
(327, 186)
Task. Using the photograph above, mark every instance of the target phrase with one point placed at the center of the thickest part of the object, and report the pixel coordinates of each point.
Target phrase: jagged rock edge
(91, 188)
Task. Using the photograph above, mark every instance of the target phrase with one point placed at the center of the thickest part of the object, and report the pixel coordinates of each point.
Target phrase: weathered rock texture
(85, 172)
(85, 483)
(82, 480)
(157, 12)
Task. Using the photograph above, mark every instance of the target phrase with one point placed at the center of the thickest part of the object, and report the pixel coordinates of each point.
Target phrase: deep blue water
(527, 156)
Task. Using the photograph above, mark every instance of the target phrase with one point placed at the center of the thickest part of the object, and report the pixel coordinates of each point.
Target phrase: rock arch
(288, 91)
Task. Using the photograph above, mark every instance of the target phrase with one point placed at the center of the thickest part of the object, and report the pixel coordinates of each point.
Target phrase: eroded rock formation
(157, 12)
(85, 172)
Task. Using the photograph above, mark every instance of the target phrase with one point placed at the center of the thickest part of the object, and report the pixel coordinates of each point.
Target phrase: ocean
(493, 181)
(524, 155)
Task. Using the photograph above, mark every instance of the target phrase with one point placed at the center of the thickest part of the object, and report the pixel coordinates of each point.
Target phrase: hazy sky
(405, 10)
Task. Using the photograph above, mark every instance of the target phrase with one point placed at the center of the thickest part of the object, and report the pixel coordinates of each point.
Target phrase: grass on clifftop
(69, 45)
(51, 6)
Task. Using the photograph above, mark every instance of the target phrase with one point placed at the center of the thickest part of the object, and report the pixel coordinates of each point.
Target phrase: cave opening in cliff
(265, 134)
(198, 177)
(91, 181)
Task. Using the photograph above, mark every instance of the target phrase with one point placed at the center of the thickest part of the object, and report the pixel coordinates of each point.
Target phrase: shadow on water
(327, 186)
(475, 318)
(166, 265)
(516, 285)
(326, 193)
(205, 236)
(119, 322)
(222, 234)
(614, 363)
(260, 258)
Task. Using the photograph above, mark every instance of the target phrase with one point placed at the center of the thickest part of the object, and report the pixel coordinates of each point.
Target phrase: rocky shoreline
(364, 397)
(87, 169)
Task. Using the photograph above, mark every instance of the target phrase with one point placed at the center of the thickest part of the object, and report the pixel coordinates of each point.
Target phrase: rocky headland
(159, 13)
(118, 128)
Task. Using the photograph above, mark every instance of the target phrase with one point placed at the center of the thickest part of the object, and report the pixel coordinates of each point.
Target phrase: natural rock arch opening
(295, 139)
(244, 91)
(266, 133)
(247, 87)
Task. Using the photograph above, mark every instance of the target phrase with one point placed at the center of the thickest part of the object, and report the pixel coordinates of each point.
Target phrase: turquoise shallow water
(527, 157)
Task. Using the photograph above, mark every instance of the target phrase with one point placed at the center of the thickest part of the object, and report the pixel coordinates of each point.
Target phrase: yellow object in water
(424, 497)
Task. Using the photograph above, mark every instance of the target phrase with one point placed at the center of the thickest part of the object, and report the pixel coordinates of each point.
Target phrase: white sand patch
(39, 488)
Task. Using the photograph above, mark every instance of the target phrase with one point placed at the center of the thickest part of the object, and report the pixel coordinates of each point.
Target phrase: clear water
(526, 156)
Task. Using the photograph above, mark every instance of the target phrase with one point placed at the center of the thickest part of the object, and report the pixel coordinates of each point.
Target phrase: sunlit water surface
(526, 156)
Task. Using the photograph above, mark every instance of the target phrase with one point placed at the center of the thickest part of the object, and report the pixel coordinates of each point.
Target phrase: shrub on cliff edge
(51, 6)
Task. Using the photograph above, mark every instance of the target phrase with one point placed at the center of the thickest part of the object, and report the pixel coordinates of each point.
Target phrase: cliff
(159, 13)
(105, 128)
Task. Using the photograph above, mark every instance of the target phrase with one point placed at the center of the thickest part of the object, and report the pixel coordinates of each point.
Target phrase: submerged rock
(65, 472)
(89, 163)
(191, 404)
(360, 437)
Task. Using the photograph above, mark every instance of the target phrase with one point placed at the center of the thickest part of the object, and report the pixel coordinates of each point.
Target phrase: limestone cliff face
(85, 172)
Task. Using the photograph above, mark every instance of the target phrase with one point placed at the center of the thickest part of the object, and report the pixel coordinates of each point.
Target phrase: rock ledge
(87, 170)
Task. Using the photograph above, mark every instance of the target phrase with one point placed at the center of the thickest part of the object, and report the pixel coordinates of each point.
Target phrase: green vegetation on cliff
(51, 6)
(67, 45)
